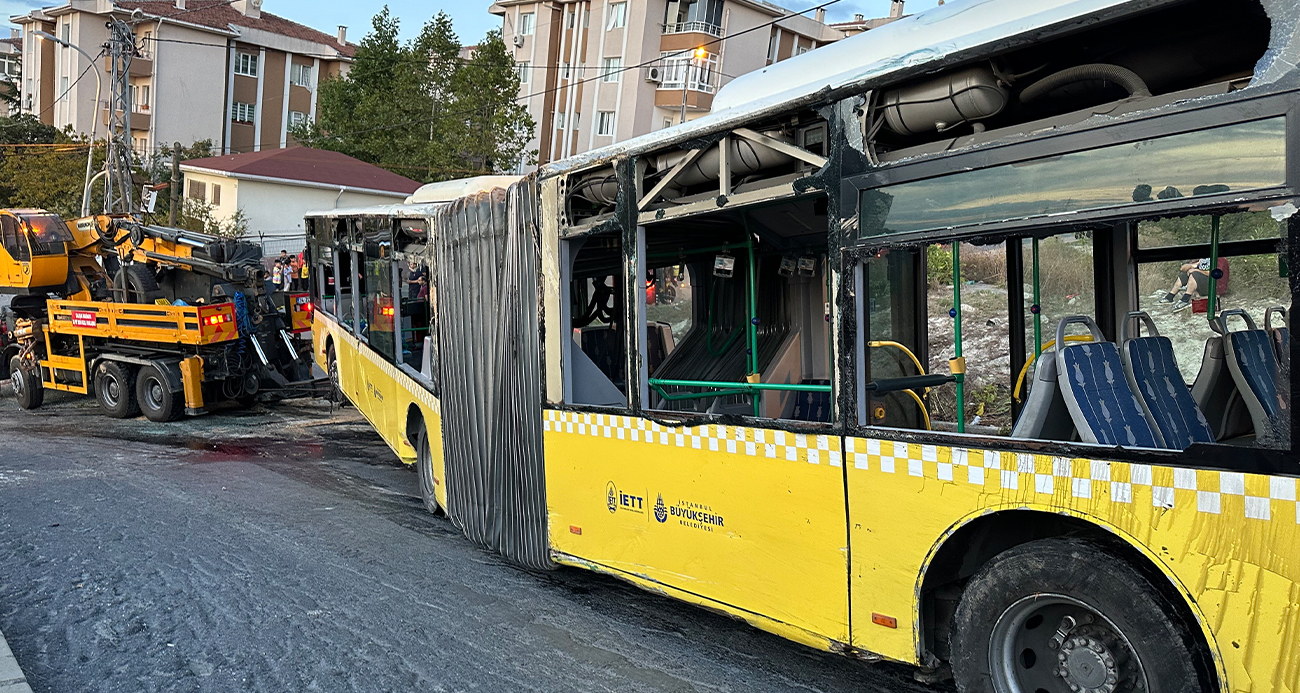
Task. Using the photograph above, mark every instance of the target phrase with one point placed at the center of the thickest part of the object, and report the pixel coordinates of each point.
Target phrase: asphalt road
(284, 550)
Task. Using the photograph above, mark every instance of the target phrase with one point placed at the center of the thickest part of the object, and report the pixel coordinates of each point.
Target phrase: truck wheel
(424, 467)
(155, 396)
(115, 390)
(138, 283)
(27, 385)
(1066, 615)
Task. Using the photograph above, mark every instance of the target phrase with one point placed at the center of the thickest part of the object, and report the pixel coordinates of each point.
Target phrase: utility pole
(119, 188)
(174, 211)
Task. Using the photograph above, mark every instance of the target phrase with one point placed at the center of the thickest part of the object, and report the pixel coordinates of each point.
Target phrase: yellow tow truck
(148, 319)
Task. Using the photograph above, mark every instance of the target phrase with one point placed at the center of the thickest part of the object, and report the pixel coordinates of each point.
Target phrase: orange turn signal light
(883, 620)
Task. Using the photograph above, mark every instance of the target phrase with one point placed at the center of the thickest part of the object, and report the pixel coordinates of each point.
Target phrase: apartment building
(11, 72)
(593, 72)
(206, 69)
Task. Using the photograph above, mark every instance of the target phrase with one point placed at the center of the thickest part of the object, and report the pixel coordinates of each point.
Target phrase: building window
(617, 16)
(525, 24)
(10, 65)
(66, 30)
(565, 72)
(198, 190)
(216, 194)
(572, 17)
(605, 123)
(559, 120)
(773, 44)
(242, 112)
(141, 145)
(63, 87)
(297, 118)
(300, 75)
(246, 64)
(524, 70)
(668, 122)
(144, 97)
(683, 69)
(611, 70)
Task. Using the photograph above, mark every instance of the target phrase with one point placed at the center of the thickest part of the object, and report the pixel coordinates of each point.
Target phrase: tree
(419, 109)
(497, 126)
(49, 172)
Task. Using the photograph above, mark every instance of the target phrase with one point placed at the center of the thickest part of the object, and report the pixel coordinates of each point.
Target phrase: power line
(70, 86)
(571, 85)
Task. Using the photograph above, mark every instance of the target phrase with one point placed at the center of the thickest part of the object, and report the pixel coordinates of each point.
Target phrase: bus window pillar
(638, 382)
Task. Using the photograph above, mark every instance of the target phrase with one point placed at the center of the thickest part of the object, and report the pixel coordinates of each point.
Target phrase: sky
(470, 17)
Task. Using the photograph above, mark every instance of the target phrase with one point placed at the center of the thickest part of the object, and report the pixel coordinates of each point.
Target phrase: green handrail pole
(751, 309)
(956, 333)
(1213, 304)
(1037, 309)
(748, 387)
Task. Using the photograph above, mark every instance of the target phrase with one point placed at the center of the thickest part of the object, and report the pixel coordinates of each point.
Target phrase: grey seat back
(1280, 335)
(1152, 372)
(1092, 381)
(1250, 358)
(1045, 416)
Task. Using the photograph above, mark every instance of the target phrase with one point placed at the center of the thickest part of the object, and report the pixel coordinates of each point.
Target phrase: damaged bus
(962, 342)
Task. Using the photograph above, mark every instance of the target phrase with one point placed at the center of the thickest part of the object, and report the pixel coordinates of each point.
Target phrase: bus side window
(346, 276)
(596, 367)
(378, 310)
(415, 284)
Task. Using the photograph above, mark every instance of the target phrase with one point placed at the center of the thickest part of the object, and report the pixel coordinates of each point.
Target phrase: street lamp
(99, 90)
(697, 56)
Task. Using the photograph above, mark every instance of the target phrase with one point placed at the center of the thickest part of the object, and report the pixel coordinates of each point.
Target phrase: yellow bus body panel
(383, 394)
(1230, 543)
(745, 520)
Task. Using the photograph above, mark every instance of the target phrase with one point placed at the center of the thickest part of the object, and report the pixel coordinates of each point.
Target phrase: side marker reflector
(574, 529)
(883, 620)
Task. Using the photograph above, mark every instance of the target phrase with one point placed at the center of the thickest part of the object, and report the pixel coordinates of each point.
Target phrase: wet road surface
(283, 550)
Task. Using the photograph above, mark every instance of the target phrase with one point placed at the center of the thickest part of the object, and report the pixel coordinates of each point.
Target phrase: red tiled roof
(218, 14)
(309, 166)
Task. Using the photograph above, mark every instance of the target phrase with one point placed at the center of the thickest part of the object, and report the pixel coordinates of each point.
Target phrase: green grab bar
(748, 388)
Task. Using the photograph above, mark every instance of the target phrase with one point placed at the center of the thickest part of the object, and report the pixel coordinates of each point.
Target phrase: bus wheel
(1065, 615)
(424, 467)
(332, 368)
(155, 396)
(115, 390)
(27, 385)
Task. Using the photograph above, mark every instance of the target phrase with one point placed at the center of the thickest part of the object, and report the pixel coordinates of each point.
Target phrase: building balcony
(141, 117)
(140, 66)
(705, 28)
(672, 98)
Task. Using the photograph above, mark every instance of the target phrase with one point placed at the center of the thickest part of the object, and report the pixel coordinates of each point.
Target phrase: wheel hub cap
(1087, 666)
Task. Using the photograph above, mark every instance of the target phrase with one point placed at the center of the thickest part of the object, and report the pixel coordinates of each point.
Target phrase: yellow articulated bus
(961, 343)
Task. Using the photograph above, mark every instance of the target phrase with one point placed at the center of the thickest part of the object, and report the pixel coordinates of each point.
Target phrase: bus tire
(332, 370)
(155, 396)
(27, 385)
(1065, 614)
(115, 390)
(424, 467)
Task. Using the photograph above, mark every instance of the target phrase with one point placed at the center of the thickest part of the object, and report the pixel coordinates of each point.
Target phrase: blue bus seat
(1092, 381)
(1152, 372)
(812, 406)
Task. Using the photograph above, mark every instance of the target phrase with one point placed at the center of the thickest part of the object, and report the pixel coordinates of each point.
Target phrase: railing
(683, 70)
(693, 27)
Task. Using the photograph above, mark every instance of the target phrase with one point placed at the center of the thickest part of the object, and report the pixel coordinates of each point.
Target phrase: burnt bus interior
(1183, 50)
(730, 280)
